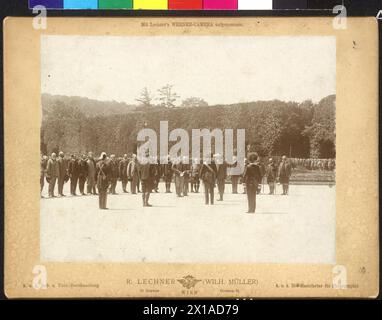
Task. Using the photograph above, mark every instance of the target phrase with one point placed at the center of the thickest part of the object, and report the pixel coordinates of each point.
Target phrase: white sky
(219, 69)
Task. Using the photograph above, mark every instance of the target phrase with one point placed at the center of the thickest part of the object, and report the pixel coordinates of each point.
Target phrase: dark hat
(253, 156)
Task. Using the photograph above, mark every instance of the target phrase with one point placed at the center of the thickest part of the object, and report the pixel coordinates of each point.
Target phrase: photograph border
(356, 202)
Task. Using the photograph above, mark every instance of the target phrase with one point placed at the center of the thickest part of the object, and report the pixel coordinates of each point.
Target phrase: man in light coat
(52, 173)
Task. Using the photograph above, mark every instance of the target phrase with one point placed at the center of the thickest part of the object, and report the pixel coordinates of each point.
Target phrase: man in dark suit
(146, 175)
(63, 171)
(252, 178)
(133, 174)
(186, 175)
(177, 169)
(123, 172)
(103, 180)
(221, 174)
(113, 165)
(91, 178)
(284, 174)
(235, 177)
(194, 173)
(208, 175)
(262, 172)
(271, 174)
(157, 175)
(82, 173)
(167, 173)
(73, 172)
(244, 187)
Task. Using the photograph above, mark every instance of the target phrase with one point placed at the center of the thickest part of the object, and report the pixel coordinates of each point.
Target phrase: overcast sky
(219, 69)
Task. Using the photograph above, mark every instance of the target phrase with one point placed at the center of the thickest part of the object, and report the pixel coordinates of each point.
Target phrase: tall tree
(145, 98)
(167, 96)
(322, 131)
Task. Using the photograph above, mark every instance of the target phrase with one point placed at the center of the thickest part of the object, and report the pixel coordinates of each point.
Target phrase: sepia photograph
(240, 133)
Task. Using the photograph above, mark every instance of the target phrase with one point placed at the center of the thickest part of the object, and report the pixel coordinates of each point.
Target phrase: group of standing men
(314, 164)
(102, 174)
(57, 170)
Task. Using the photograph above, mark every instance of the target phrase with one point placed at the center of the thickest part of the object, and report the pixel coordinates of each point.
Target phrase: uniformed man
(167, 174)
(82, 173)
(133, 174)
(284, 174)
(186, 175)
(146, 175)
(271, 174)
(52, 173)
(251, 178)
(221, 174)
(63, 171)
(123, 175)
(235, 177)
(177, 169)
(208, 175)
(246, 162)
(113, 165)
(157, 175)
(195, 179)
(103, 180)
(73, 172)
(91, 178)
(262, 172)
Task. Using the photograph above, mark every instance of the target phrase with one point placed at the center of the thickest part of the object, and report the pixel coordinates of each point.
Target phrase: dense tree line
(272, 127)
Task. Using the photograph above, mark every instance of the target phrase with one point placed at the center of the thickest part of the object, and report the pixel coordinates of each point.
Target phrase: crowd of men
(101, 175)
(314, 164)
